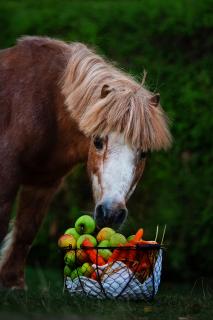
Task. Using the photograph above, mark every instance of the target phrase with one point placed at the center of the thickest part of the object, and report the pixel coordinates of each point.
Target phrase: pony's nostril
(100, 215)
(100, 211)
(122, 212)
(121, 216)
(106, 216)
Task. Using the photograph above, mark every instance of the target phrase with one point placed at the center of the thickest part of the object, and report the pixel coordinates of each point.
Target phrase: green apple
(85, 224)
(67, 271)
(130, 237)
(76, 273)
(104, 243)
(86, 236)
(104, 253)
(105, 234)
(87, 269)
(70, 258)
(67, 241)
(117, 239)
(72, 232)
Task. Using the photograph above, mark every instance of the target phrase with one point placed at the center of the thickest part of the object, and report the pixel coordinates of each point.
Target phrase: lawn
(45, 300)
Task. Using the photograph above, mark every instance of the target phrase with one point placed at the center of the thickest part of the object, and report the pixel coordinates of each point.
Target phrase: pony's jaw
(112, 173)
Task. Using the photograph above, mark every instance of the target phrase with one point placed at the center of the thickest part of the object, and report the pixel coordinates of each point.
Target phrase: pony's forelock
(126, 107)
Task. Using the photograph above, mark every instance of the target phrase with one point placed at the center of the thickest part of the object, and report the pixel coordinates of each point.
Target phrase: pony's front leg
(5, 209)
(9, 184)
(33, 204)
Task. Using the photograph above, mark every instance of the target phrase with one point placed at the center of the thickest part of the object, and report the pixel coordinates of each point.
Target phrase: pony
(61, 104)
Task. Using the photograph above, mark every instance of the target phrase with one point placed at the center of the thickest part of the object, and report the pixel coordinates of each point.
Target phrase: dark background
(172, 40)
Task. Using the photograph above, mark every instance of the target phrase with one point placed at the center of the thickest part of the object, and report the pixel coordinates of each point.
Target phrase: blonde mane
(103, 99)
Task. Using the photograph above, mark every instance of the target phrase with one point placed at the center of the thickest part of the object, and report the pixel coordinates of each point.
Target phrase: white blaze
(96, 187)
(117, 171)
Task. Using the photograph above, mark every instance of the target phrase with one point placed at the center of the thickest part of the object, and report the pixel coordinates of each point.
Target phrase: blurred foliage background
(172, 40)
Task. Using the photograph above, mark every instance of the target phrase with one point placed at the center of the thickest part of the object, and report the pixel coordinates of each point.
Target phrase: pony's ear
(154, 100)
(105, 91)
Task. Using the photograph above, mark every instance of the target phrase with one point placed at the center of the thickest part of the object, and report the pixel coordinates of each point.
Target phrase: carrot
(129, 254)
(146, 242)
(132, 253)
(144, 262)
(122, 254)
(138, 236)
(93, 254)
(114, 256)
(144, 265)
(94, 276)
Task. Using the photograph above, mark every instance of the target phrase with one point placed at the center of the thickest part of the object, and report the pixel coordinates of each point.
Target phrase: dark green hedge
(172, 40)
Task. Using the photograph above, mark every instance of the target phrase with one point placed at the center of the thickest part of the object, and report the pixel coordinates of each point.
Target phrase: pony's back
(29, 76)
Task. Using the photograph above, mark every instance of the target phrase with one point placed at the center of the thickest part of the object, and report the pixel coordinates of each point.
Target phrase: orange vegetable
(130, 256)
(115, 255)
(127, 255)
(138, 236)
(94, 276)
(144, 264)
(93, 254)
(146, 242)
(132, 252)
(123, 256)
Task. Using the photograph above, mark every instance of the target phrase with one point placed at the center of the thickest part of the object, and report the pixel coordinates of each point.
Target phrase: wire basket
(135, 273)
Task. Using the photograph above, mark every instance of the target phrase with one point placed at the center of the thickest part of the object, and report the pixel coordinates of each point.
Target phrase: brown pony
(62, 104)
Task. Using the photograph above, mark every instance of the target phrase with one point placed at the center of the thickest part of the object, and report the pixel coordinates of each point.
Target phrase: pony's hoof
(19, 288)
(7, 284)
(13, 287)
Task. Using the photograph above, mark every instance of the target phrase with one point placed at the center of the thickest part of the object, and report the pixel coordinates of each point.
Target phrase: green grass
(45, 299)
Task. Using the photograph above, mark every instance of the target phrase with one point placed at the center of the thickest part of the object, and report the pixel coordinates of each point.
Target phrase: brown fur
(41, 138)
(39, 142)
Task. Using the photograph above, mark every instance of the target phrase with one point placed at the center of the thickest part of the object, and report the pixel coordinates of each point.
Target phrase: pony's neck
(72, 143)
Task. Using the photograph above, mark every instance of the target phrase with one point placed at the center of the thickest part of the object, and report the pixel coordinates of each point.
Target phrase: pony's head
(124, 121)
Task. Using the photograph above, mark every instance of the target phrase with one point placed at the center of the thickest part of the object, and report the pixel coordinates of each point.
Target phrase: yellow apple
(67, 241)
(105, 234)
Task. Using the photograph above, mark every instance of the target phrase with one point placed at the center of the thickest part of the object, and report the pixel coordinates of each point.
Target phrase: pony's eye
(98, 143)
(142, 155)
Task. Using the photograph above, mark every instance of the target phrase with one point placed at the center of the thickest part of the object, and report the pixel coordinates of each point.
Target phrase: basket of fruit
(106, 264)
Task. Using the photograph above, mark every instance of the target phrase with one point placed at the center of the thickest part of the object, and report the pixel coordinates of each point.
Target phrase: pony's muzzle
(110, 216)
